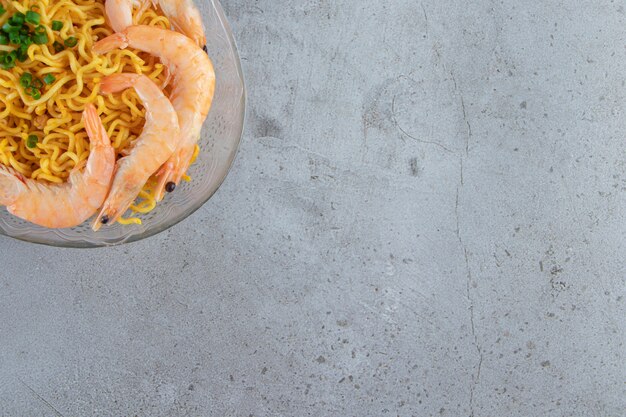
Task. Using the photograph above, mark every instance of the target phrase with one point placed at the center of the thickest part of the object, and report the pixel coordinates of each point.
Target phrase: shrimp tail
(117, 40)
(95, 129)
(115, 83)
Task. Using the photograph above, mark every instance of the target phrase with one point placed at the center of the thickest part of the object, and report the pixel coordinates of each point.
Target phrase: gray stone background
(426, 218)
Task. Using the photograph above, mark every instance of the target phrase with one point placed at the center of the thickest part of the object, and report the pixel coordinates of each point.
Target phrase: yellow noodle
(129, 220)
(56, 117)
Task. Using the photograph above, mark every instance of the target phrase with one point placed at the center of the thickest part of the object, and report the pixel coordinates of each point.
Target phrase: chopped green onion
(40, 29)
(8, 27)
(37, 83)
(6, 62)
(25, 40)
(33, 92)
(4, 39)
(14, 37)
(49, 79)
(70, 42)
(32, 141)
(17, 19)
(2, 10)
(57, 25)
(22, 52)
(58, 46)
(10, 58)
(40, 38)
(32, 17)
(24, 30)
(26, 79)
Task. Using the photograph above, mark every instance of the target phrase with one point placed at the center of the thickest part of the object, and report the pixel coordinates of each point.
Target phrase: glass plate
(221, 134)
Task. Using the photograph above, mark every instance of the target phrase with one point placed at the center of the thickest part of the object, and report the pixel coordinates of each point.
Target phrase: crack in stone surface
(468, 295)
(469, 134)
(53, 408)
(395, 122)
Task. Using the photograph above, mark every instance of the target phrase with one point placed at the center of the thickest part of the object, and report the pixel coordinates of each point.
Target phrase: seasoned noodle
(55, 117)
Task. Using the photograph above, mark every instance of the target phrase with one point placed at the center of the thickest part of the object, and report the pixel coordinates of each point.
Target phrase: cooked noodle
(55, 117)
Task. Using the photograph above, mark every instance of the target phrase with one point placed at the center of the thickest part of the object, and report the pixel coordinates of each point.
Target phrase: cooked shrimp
(183, 14)
(151, 149)
(185, 18)
(71, 203)
(192, 94)
(119, 13)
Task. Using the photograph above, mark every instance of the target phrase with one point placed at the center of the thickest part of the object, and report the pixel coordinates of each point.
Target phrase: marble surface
(426, 218)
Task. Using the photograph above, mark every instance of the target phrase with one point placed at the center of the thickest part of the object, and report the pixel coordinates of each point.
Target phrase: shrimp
(151, 149)
(71, 203)
(192, 93)
(119, 13)
(183, 14)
